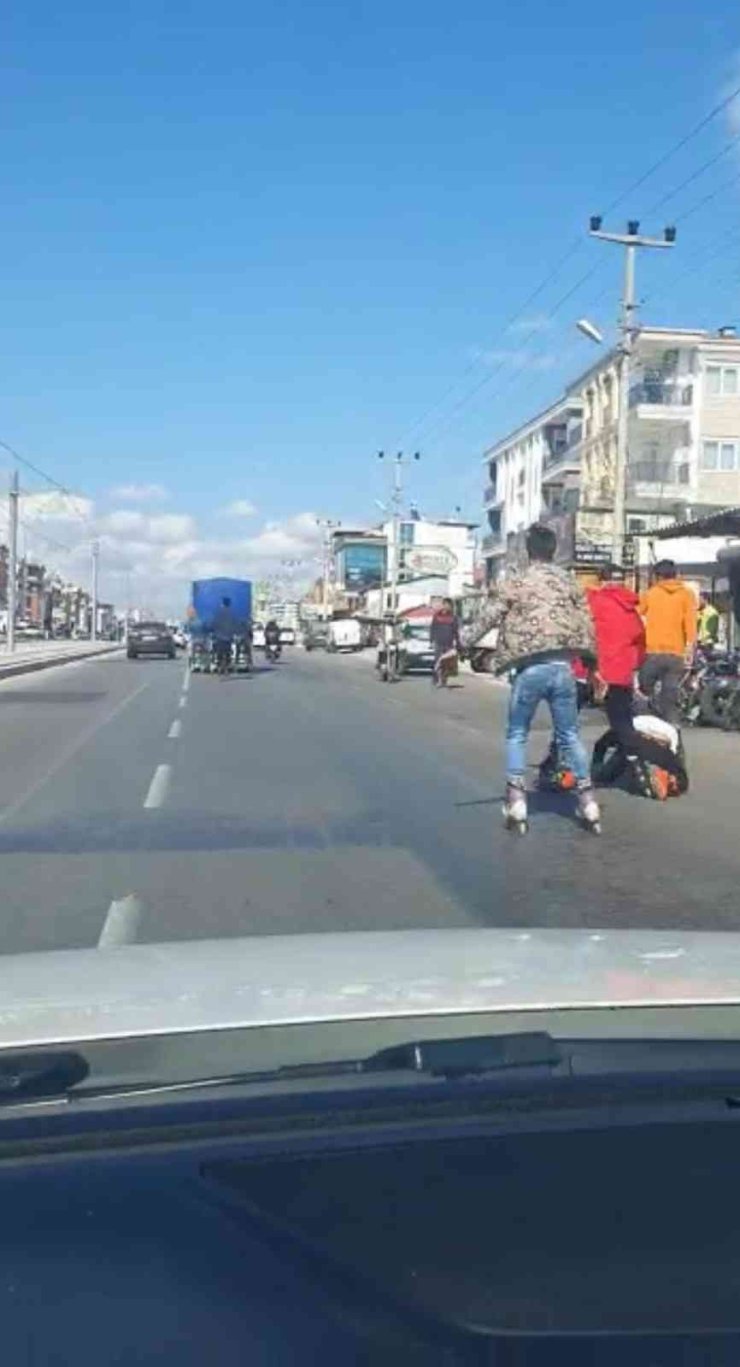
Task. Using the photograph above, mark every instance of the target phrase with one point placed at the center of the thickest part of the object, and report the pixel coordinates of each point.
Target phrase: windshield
(370, 548)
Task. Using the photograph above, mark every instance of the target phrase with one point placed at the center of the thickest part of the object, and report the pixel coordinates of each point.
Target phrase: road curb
(10, 669)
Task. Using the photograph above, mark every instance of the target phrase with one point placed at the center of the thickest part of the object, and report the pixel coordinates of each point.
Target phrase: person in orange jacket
(669, 611)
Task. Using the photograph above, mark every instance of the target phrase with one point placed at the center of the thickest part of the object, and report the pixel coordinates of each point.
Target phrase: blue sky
(244, 246)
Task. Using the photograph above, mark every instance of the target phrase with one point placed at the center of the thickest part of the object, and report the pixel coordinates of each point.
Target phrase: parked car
(316, 638)
(258, 635)
(287, 636)
(150, 638)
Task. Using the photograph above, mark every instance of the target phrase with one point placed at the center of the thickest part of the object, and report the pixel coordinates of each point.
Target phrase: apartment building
(683, 448)
(532, 471)
(683, 434)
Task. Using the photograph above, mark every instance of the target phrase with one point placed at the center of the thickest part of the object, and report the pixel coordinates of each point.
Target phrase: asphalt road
(136, 803)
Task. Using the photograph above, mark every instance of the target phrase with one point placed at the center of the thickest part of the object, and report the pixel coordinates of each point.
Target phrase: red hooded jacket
(620, 633)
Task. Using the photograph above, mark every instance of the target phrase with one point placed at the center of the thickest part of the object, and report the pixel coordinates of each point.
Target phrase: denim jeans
(552, 682)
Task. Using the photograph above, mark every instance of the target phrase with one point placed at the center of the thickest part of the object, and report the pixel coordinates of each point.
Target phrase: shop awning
(724, 523)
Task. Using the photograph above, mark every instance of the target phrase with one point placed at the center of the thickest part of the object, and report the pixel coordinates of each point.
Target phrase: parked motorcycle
(709, 694)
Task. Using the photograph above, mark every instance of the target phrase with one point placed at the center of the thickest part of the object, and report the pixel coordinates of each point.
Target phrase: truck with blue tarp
(214, 602)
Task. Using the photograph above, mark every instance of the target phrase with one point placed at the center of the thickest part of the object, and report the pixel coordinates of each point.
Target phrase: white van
(345, 635)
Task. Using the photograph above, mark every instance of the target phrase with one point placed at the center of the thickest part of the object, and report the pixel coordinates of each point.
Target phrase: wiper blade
(38, 1075)
(35, 1076)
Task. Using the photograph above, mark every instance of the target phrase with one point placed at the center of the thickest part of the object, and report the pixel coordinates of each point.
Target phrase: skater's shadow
(539, 803)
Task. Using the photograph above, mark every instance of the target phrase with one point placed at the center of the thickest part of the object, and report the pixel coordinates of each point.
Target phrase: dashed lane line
(121, 923)
(183, 701)
(175, 729)
(158, 787)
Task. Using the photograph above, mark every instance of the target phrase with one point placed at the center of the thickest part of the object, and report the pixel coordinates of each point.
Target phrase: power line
(577, 243)
(677, 147)
(712, 161)
(68, 494)
(726, 185)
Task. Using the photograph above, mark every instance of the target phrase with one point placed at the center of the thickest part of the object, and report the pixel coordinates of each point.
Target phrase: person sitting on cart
(224, 631)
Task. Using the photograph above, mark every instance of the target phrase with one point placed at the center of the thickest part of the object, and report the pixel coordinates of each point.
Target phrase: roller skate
(589, 812)
(515, 808)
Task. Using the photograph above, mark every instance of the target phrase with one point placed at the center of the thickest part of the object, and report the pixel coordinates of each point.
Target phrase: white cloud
(241, 507)
(538, 322)
(519, 358)
(55, 506)
(149, 558)
(138, 493)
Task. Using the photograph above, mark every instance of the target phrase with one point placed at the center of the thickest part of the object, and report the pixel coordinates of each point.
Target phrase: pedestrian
(707, 623)
(445, 637)
(669, 613)
(620, 647)
(543, 624)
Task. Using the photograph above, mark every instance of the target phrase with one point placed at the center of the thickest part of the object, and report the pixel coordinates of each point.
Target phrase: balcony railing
(492, 542)
(662, 395)
(659, 472)
(490, 494)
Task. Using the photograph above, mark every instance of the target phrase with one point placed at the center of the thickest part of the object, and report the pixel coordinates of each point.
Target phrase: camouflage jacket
(541, 613)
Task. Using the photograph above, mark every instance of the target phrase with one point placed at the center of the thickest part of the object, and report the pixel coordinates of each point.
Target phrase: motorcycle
(273, 651)
(709, 694)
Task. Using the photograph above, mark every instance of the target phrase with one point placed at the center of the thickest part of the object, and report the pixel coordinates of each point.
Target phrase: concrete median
(31, 656)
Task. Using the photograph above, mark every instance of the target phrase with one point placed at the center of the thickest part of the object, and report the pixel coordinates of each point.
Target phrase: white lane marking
(158, 786)
(69, 754)
(186, 681)
(175, 729)
(183, 701)
(121, 923)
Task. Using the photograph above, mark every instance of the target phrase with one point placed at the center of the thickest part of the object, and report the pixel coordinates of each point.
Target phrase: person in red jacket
(620, 645)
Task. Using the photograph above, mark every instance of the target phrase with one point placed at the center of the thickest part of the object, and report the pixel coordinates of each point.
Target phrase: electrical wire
(576, 245)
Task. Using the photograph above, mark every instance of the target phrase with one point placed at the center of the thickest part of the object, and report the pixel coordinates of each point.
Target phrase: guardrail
(662, 395)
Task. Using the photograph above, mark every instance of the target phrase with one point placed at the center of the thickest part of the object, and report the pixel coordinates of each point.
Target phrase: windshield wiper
(44, 1076)
(40, 1075)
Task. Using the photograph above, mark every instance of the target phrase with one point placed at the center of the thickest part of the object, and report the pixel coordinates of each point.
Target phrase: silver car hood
(212, 985)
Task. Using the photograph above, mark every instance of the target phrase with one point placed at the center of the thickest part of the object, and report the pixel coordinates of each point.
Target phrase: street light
(590, 331)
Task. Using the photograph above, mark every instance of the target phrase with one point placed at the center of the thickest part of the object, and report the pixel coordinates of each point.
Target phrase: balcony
(491, 496)
(659, 480)
(492, 544)
(563, 458)
(658, 399)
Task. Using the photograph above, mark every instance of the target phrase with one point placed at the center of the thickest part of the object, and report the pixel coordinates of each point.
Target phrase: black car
(150, 638)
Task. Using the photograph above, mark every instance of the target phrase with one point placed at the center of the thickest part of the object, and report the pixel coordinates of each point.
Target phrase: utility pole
(399, 460)
(95, 560)
(329, 526)
(12, 559)
(630, 240)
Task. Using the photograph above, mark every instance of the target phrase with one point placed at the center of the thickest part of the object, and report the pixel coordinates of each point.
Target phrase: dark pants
(668, 671)
(623, 737)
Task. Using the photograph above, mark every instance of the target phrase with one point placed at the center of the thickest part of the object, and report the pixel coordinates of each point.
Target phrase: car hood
(156, 989)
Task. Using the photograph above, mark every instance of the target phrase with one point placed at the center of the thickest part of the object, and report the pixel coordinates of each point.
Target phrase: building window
(722, 381)
(407, 534)
(721, 455)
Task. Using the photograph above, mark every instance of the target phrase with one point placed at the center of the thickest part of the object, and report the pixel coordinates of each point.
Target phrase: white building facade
(683, 448)
(530, 471)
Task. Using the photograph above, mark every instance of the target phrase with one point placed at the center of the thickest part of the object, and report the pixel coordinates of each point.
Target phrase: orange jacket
(670, 611)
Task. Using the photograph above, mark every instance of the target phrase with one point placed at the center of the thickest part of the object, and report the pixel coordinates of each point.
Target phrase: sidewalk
(29, 656)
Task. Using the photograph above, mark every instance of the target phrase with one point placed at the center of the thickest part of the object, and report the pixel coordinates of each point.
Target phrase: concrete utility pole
(399, 460)
(12, 558)
(95, 561)
(630, 240)
(329, 526)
